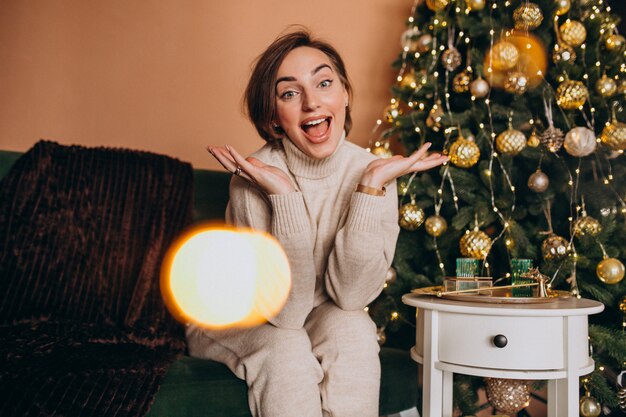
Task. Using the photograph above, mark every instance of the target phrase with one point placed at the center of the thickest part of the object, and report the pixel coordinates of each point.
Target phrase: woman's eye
(288, 94)
(326, 83)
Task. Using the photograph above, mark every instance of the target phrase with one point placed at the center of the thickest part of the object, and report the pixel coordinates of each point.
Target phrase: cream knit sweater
(340, 243)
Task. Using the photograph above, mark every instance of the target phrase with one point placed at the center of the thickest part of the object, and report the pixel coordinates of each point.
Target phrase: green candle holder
(520, 266)
(467, 267)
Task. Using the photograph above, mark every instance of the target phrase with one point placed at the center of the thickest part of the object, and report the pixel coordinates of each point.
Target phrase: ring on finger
(237, 171)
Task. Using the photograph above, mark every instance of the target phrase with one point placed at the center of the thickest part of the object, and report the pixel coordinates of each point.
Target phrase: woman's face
(310, 102)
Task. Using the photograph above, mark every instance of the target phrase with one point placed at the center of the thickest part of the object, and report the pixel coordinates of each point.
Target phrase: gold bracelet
(360, 188)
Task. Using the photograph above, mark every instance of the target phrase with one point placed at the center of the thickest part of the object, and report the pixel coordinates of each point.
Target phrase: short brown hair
(260, 94)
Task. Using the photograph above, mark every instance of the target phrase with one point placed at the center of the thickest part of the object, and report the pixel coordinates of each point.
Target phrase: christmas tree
(527, 100)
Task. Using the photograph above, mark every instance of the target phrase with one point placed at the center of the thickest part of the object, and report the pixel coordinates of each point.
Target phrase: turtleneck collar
(304, 166)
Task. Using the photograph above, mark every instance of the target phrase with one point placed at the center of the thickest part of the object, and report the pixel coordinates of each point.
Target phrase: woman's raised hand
(381, 171)
(272, 180)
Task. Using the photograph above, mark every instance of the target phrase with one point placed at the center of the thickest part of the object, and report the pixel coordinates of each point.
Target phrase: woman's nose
(309, 101)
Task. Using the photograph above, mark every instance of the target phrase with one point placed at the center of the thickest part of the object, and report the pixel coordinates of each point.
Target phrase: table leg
(433, 378)
(447, 406)
(563, 397)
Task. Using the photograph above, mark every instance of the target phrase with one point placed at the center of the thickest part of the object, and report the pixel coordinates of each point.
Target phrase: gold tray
(493, 296)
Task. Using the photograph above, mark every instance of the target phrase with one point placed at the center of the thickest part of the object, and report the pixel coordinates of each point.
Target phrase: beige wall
(168, 76)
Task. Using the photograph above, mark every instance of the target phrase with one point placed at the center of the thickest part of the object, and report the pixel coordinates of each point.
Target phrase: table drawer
(532, 343)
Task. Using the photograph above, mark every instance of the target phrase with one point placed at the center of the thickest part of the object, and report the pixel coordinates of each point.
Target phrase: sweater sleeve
(364, 249)
(284, 217)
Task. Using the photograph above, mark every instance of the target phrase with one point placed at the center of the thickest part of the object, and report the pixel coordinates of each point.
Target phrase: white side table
(535, 341)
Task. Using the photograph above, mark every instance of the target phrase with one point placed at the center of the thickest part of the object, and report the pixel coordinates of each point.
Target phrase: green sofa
(194, 387)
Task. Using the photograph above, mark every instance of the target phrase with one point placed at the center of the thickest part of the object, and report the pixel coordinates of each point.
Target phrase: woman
(333, 207)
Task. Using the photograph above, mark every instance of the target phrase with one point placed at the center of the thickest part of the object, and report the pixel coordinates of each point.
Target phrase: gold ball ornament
(527, 16)
(451, 59)
(381, 150)
(622, 308)
(533, 140)
(437, 5)
(476, 5)
(610, 270)
(552, 138)
(464, 153)
(516, 82)
(436, 225)
(475, 244)
(573, 33)
(580, 141)
(587, 226)
(554, 248)
(507, 396)
(479, 88)
(563, 53)
(606, 86)
(589, 406)
(392, 112)
(408, 80)
(562, 7)
(424, 43)
(511, 141)
(391, 275)
(538, 181)
(381, 337)
(621, 87)
(615, 42)
(505, 55)
(571, 94)
(614, 136)
(461, 82)
(411, 216)
(433, 120)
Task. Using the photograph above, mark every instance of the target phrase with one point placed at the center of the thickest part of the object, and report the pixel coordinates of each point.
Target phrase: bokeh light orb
(218, 277)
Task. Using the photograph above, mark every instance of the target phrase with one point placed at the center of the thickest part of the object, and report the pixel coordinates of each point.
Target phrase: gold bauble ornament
(587, 226)
(479, 88)
(507, 396)
(460, 82)
(552, 138)
(437, 5)
(580, 141)
(436, 225)
(614, 136)
(424, 43)
(527, 16)
(433, 120)
(554, 248)
(562, 7)
(615, 42)
(408, 80)
(392, 112)
(610, 270)
(511, 141)
(621, 87)
(516, 82)
(476, 5)
(464, 153)
(381, 149)
(563, 53)
(606, 86)
(573, 33)
(589, 406)
(533, 140)
(391, 275)
(381, 337)
(475, 244)
(622, 308)
(538, 181)
(505, 55)
(571, 94)
(411, 216)
(451, 59)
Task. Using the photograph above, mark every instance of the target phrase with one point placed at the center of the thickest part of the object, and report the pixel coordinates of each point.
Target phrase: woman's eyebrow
(315, 71)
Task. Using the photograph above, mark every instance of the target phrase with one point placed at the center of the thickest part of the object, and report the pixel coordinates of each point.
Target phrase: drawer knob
(500, 340)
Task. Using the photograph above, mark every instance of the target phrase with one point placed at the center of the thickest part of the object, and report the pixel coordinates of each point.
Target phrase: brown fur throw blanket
(83, 231)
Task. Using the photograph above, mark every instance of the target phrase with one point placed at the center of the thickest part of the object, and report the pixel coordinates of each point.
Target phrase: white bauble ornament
(580, 141)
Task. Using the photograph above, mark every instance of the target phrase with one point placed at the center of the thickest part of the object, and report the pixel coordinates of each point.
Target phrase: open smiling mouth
(316, 127)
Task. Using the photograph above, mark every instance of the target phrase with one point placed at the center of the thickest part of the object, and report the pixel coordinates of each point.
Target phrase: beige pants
(328, 368)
